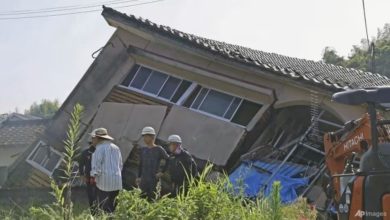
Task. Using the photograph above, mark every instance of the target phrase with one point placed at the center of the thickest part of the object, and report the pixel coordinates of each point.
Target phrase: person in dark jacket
(181, 165)
(85, 170)
(149, 171)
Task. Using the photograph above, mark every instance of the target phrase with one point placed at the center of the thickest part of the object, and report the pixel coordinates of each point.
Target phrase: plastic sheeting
(250, 177)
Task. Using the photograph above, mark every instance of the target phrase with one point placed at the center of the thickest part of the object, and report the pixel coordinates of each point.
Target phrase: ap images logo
(361, 213)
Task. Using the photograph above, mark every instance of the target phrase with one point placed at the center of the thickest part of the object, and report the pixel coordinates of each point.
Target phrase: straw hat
(102, 133)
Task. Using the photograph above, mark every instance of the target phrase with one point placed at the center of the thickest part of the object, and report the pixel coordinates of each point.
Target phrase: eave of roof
(317, 74)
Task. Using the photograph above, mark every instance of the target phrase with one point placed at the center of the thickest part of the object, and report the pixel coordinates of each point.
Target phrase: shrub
(204, 200)
(210, 200)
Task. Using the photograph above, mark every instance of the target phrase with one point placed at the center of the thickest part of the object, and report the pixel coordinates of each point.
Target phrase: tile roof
(19, 133)
(19, 117)
(328, 76)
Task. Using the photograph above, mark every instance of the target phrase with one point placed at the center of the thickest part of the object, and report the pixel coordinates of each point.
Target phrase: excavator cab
(367, 195)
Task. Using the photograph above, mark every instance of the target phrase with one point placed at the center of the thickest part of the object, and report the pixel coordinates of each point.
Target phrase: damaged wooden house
(17, 133)
(230, 104)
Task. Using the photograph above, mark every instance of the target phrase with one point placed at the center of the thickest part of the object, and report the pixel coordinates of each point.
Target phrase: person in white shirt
(106, 169)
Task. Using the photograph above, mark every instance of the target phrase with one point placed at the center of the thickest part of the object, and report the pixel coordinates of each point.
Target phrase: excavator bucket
(377, 95)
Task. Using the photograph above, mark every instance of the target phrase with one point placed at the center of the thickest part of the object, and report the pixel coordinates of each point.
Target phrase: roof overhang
(121, 21)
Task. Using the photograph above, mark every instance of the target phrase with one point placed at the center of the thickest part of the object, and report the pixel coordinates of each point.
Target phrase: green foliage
(210, 200)
(204, 200)
(275, 202)
(7, 214)
(360, 57)
(71, 143)
(45, 109)
(330, 56)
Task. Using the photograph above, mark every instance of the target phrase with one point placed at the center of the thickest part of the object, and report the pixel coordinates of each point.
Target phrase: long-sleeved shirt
(107, 166)
(181, 165)
(85, 161)
(150, 162)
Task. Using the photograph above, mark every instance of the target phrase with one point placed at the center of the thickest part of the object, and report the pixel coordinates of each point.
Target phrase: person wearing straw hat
(106, 169)
(149, 171)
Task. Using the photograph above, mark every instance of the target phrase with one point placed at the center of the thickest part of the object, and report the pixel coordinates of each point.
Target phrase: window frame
(188, 92)
(227, 109)
(39, 166)
(222, 117)
(166, 80)
(235, 111)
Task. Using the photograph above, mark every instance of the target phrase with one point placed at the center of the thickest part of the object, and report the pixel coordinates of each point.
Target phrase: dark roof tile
(21, 132)
(315, 73)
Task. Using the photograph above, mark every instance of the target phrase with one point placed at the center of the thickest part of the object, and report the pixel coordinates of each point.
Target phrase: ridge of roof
(29, 122)
(328, 76)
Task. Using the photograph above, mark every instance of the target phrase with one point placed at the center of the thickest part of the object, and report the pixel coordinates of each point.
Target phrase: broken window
(156, 83)
(246, 112)
(44, 158)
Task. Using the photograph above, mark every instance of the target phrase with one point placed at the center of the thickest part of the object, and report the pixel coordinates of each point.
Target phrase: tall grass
(204, 200)
(210, 200)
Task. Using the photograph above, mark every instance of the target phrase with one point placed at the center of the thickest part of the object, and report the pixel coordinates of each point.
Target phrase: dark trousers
(106, 200)
(92, 197)
(149, 189)
(180, 187)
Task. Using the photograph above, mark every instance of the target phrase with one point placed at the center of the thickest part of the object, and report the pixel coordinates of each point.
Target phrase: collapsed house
(239, 108)
(17, 133)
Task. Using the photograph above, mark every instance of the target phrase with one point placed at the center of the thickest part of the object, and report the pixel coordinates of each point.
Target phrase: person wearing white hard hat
(106, 169)
(149, 171)
(181, 165)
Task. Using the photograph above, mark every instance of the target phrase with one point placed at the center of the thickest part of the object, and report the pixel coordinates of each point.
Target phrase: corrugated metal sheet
(253, 179)
(288, 169)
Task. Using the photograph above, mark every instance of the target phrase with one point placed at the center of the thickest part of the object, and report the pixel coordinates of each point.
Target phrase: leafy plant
(62, 190)
(210, 200)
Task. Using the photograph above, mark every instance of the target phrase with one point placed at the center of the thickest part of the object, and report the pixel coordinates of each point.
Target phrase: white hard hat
(174, 138)
(148, 130)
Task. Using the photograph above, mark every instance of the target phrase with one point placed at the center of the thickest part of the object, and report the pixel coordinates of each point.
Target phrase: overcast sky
(46, 57)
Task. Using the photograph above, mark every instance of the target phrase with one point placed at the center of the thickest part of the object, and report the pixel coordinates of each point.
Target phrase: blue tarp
(249, 178)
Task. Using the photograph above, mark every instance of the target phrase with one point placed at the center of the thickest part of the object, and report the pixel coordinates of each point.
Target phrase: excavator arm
(355, 137)
(339, 146)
